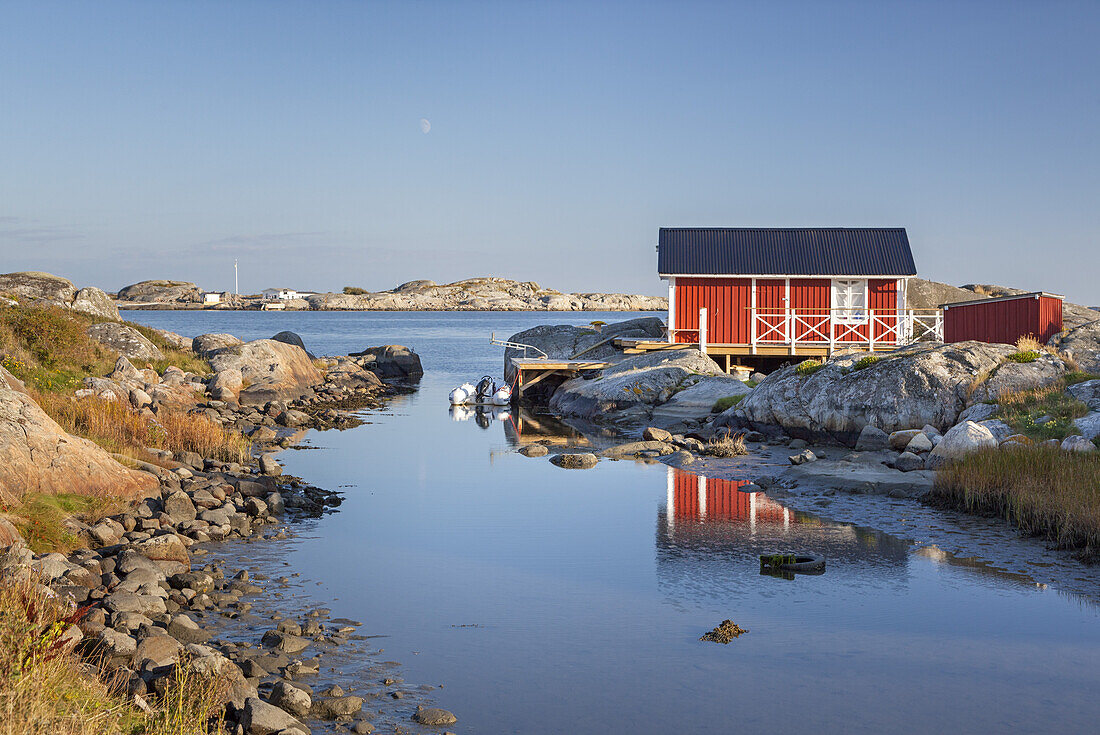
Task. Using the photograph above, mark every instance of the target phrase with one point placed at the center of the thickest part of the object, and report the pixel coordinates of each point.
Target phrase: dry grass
(976, 382)
(42, 688)
(1043, 490)
(117, 428)
(1028, 343)
(193, 704)
(726, 446)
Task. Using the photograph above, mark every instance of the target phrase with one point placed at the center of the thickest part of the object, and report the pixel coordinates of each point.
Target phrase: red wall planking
(1004, 320)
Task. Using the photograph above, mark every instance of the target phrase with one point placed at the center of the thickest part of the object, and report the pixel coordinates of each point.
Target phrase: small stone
(802, 457)
(292, 699)
(534, 450)
(434, 717)
(653, 434)
(577, 461)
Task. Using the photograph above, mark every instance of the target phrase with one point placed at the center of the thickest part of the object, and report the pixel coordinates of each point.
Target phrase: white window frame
(851, 311)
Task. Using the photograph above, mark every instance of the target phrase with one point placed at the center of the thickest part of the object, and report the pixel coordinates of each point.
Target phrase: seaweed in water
(724, 633)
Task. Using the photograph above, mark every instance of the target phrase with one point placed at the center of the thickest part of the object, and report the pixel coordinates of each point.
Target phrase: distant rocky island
(473, 294)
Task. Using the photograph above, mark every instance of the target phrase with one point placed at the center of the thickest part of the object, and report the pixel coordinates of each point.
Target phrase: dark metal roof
(827, 251)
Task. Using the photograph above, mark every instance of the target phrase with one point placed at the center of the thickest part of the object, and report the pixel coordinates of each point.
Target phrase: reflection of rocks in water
(710, 535)
(528, 428)
(973, 563)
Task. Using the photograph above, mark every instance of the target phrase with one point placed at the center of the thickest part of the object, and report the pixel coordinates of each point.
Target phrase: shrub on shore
(49, 349)
(1043, 490)
(727, 446)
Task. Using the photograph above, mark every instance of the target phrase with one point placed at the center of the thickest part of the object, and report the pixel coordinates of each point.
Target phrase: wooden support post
(703, 330)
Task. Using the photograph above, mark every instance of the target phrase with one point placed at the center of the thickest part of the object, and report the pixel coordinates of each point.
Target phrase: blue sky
(163, 139)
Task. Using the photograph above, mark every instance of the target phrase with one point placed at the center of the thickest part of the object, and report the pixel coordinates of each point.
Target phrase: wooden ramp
(529, 371)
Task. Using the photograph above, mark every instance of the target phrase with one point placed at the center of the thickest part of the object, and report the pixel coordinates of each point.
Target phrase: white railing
(837, 327)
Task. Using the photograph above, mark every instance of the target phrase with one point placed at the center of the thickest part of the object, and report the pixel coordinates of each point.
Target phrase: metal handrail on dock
(515, 345)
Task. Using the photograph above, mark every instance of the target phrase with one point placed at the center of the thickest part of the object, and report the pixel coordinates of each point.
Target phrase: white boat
(463, 395)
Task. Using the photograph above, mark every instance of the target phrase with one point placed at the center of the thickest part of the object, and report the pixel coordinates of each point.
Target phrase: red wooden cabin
(789, 291)
(1004, 319)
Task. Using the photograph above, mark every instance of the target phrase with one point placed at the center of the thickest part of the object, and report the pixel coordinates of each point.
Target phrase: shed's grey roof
(832, 251)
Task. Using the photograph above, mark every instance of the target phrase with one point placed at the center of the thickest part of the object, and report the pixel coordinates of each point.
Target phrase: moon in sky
(425, 125)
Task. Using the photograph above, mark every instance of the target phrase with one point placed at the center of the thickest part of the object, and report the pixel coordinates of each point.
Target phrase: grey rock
(1089, 425)
(695, 399)
(631, 389)
(91, 300)
(575, 461)
(285, 642)
(1088, 392)
(330, 708)
(908, 462)
(534, 450)
(207, 345)
(899, 440)
(292, 699)
(1077, 443)
(116, 644)
(434, 717)
(979, 412)
(802, 457)
(872, 439)
(273, 371)
(999, 429)
(261, 718)
(126, 341)
(961, 440)
(655, 434)
(179, 507)
(269, 466)
(161, 291)
(916, 385)
(919, 444)
(292, 338)
(1083, 343)
(391, 361)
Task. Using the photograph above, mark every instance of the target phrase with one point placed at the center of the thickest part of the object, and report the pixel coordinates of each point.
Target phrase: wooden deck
(532, 371)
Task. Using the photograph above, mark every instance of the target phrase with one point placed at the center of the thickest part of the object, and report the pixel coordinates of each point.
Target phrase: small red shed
(1004, 319)
(746, 291)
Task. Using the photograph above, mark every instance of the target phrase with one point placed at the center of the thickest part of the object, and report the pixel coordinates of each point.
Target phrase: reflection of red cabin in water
(708, 498)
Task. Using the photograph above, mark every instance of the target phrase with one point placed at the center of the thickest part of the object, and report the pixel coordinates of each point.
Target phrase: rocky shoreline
(472, 294)
(153, 588)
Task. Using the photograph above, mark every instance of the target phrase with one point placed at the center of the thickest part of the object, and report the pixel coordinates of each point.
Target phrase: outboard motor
(486, 387)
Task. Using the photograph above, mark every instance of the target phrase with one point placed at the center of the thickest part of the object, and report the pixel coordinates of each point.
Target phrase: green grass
(41, 519)
(1024, 356)
(1024, 410)
(809, 367)
(1042, 490)
(723, 404)
(1078, 376)
(49, 349)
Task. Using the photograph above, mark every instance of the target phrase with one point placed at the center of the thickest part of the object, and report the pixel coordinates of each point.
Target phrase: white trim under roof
(991, 299)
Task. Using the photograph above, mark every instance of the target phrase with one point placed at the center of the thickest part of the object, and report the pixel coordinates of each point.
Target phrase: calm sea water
(549, 601)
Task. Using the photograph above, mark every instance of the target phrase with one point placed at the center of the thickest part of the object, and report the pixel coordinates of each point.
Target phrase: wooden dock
(529, 371)
(727, 356)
